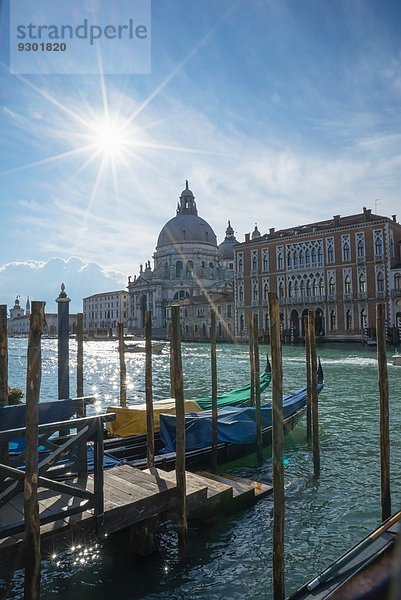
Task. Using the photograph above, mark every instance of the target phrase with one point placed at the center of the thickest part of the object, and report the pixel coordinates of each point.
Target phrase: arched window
(330, 254)
(346, 251)
(265, 291)
(307, 257)
(178, 268)
(280, 260)
(240, 264)
(301, 259)
(241, 293)
(348, 319)
(361, 249)
(397, 281)
(290, 289)
(308, 287)
(380, 282)
(313, 256)
(332, 286)
(347, 285)
(255, 292)
(190, 268)
(289, 260)
(254, 264)
(314, 288)
(302, 288)
(333, 320)
(296, 289)
(378, 246)
(319, 256)
(296, 259)
(362, 283)
(321, 287)
(265, 262)
(281, 290)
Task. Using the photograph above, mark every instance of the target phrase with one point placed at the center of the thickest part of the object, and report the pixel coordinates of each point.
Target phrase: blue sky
(278, 112)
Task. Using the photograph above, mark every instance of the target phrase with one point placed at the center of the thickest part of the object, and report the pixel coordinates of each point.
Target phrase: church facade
(186, 264)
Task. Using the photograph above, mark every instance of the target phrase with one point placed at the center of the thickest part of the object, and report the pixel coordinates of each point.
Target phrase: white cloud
(42, 280)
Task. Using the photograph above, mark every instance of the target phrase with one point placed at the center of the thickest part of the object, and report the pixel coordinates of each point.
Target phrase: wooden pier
(131, 496)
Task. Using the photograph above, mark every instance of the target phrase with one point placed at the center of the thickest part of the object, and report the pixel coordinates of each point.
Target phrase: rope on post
(213, 359)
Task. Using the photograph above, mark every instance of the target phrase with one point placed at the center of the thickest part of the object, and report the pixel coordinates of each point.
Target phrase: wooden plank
(261, 489)
(239, 488)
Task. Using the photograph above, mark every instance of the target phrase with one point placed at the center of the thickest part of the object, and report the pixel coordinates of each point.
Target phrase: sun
(109, 137)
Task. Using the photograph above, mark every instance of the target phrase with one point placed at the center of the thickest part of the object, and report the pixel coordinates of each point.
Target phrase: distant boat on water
(396, 360)
(157, 347)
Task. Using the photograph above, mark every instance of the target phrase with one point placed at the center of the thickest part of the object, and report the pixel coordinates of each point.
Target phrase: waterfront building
(187, 265)
(18, 323)
(338, 268)
(103, 311)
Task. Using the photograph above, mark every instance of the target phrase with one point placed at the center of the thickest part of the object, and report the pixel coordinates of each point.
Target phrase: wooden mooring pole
(123, 368)
(150, 430)
(3, 372)
(256, 358)
(170, 337)
(180, 426)
(251, 360)
(314, 395)
(80, 362)
(277, 450)
(31, 505)
(308, 381)
(213, 360)
(384, 411)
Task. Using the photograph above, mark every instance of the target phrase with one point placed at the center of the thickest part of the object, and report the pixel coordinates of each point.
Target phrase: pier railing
(65, 457)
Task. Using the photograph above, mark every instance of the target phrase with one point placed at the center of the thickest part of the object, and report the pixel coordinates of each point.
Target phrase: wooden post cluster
(213, 360)
(31, 506)
(277, 450)
(256, 360)
(384, 411)
(314, 395)
(180, 424)
(123, 368)
(150, 446)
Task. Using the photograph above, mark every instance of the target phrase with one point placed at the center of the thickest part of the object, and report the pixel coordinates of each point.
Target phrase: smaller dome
(256, 233)
(226, 248)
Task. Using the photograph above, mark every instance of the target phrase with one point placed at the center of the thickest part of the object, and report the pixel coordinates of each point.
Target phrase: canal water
(232, 557)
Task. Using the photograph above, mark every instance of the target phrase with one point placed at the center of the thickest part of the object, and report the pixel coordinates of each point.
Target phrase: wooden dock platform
(131, 496)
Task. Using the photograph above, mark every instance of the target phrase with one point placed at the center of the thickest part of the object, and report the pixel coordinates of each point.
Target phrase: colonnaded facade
(339, 268)
(187, 264)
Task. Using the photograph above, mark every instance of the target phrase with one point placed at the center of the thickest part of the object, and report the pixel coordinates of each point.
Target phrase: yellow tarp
(132, 420)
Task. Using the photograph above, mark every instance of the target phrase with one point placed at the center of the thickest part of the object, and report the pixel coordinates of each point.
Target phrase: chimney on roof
(271, 230)
(394, 217)
(368, 213)
(247, 237)
(336, 220)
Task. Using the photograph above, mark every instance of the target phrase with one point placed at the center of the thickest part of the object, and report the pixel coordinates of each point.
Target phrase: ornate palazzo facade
(339, 268)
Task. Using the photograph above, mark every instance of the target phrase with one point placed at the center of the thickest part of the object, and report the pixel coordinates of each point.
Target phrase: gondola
(131, 420)
(157, 347)
(363, 573)
(236, 434)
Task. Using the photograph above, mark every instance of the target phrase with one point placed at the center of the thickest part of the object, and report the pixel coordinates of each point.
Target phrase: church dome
(226, 248)
(186, 226)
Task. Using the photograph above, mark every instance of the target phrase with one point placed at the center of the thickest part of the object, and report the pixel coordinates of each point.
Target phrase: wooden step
(240, 488)
(197, 492)
(261, 489)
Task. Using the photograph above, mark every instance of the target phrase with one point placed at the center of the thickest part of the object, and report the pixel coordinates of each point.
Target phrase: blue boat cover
(234, 425)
